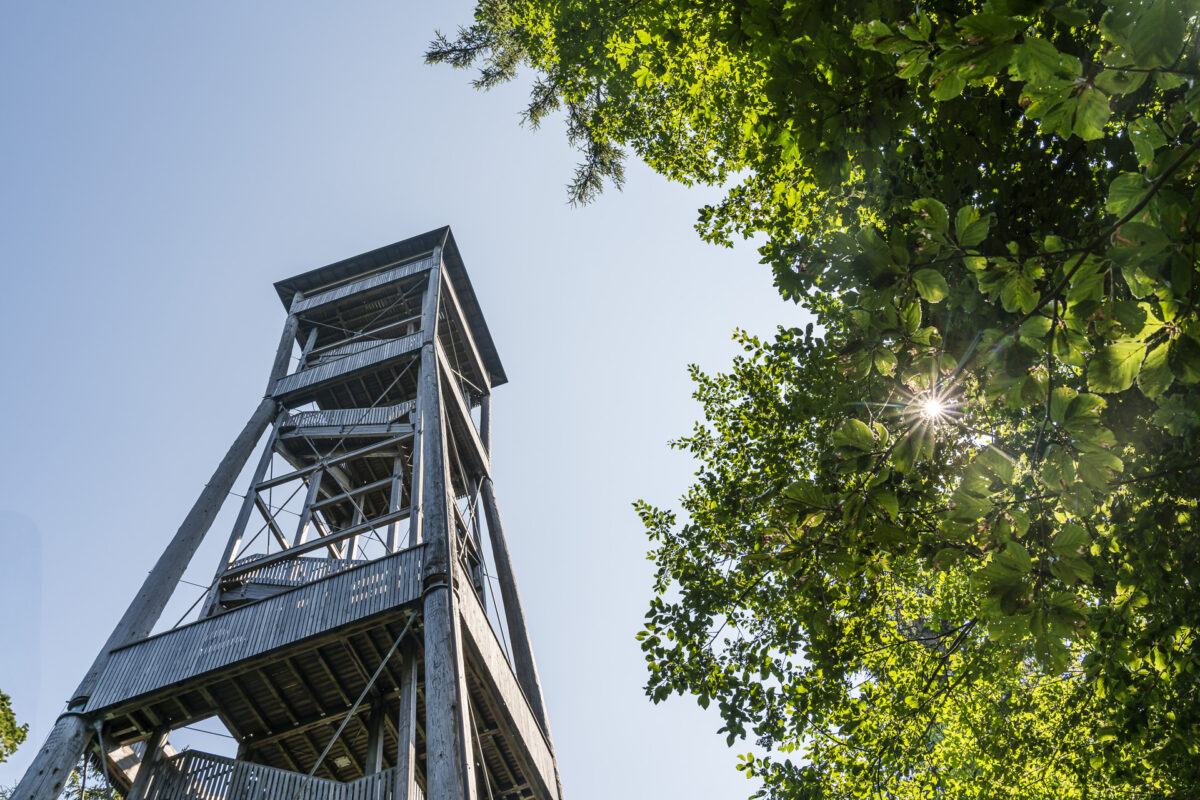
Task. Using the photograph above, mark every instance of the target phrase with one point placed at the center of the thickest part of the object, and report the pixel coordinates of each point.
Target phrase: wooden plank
(503, 683)
(465, 326)
(343, 432)
(463, 419)
(514, 616)
(397, 273)
(271, 523)
(314, 486)
(346, 366)
(406, 731)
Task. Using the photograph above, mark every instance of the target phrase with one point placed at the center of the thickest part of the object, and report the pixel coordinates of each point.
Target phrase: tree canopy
(946, 545)
(11, 734)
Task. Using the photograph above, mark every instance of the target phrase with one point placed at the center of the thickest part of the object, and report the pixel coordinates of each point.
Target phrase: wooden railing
(373, 282)
(296, 572)
(296, 614)
(193, 775)
(349, 417)
(377, 353)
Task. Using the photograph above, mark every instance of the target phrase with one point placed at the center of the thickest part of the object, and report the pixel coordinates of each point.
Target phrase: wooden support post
(395, 503)
(375, 722)
(239, 526)
(485, 423)
(71, 732)
(141, 781)
(308, 347)
(314, 485)
(352, 542)
(514, 617)
(406, 731)
(447, 737)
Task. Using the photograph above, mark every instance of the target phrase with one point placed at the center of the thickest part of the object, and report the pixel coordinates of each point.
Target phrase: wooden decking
(224, 640)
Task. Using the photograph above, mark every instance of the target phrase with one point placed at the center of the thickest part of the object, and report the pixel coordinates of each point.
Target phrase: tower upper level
(366, 310)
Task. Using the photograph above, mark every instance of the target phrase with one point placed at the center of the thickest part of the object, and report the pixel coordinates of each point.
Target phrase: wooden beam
(406, 731)
(463, 418)
(329, 461)
(394, 501)
(375, 724)
(239, 525)
(338, 498)
(316, 544)
(522, 651)
(476, 359)
(271, 523)
(314, 486)
(368, 334)
(150, 758)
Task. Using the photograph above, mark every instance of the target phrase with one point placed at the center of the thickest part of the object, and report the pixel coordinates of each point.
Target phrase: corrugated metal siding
(255, 629)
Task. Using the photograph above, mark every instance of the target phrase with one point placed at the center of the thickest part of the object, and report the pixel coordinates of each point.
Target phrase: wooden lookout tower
(352, 640)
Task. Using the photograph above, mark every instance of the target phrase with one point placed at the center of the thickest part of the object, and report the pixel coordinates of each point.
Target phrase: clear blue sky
(163, 165)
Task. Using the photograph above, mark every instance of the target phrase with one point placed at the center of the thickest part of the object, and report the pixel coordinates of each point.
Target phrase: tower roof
(355, 266)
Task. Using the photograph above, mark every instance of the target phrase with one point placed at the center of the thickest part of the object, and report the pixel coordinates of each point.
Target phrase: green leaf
(1176, 416)
(1155, 376)
(1071, 540)
(854, 433)
(889, 503)
(1015, 557)
(1119, 81)
(910, 316)
(932, 214)
(1074, 17)
(969, 228)
(1113, 368)
(805, 492)
(1125, 192)
(990, 27)
(931, 285)
(947, 85)
(1060, 399)
(1091, 113)
(1184, 358)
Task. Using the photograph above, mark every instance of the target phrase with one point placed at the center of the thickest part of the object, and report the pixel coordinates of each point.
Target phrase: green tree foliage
(949, 546)
(11, 734)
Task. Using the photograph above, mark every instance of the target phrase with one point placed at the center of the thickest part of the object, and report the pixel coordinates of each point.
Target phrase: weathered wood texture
(218, 642)
(349, 418)
(522, 650)
(406, 731)
(334, 295)
(486, 648)
(377, 353)
(447, 735)
(194, 775)
(296, 572)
